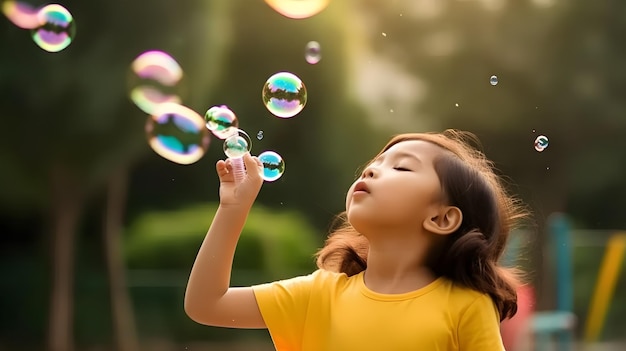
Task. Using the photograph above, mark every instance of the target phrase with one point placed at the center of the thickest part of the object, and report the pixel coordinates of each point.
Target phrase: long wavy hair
(469, 256)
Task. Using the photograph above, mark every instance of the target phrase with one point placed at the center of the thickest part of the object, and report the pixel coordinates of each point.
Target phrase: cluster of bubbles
(52, 26)
(174, 131)
(179, 134)
(541, 143)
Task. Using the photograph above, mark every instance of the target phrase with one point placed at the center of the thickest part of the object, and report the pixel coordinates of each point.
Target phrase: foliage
(279, 243)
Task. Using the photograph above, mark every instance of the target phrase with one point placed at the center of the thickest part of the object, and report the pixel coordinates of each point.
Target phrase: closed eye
(402, 169)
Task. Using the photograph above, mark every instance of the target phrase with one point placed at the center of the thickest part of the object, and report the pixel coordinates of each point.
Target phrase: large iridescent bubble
(284, 95)
(56, 28)
(177, 133)
(155, 75)
(298, 9)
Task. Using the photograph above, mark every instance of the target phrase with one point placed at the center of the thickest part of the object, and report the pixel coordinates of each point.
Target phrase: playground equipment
(605, 286)
(556, 328)
(559, 323)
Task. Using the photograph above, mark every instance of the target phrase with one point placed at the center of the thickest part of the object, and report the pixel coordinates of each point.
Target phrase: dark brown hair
(470, 255)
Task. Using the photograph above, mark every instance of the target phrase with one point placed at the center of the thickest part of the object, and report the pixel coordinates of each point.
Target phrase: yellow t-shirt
(327, 311)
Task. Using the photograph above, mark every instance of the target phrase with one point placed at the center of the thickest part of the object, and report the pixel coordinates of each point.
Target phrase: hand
(245, 192)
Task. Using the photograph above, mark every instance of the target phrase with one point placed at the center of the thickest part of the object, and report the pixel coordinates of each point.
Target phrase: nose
(369, 172)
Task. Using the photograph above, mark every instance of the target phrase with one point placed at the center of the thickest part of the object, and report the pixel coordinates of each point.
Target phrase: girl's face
(397, 190)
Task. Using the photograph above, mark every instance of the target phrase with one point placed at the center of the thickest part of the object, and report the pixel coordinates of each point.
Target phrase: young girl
(413, 267)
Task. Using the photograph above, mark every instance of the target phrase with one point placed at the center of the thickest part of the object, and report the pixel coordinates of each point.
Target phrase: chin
(359, 223)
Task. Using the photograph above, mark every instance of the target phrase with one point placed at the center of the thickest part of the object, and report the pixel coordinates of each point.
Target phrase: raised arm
(209, 299)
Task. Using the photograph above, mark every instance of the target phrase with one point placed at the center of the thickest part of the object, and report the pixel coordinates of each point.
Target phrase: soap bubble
(541, 143)
(313, 52)
(56, 28)
(154, 80)
(21, 14)
(221, 121)
(237, 144)
(493, 80)
(298, 9)
(273, 165)
(284, 95)
(259, 135)
(177, 133)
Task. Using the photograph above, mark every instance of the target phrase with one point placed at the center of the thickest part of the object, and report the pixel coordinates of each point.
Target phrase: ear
(445, 221)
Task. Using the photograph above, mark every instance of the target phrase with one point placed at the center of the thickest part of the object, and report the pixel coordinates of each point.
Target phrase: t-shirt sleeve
(479, 326)
(283, 305)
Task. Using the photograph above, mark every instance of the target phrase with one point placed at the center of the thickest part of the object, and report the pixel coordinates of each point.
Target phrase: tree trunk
(123, 319)
(65, 211)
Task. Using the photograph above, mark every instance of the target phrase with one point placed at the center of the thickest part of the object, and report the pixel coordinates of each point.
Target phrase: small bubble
(457, 105)
(284, 95)
(221, 121)
(273, 165)
(56, 28)
(259, 135)
(548, 168)
(313, 52)
(384, 34)
(237, 144)
(493, 80)
(391, 110)
(541, 143)
(533, 130)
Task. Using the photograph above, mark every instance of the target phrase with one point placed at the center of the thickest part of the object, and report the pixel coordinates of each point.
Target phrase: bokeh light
(177, 133)
(298, 9)
(221, 121)
(273, 165)
(155, 75)
(56, 28)
(284, 95)
(21, 14)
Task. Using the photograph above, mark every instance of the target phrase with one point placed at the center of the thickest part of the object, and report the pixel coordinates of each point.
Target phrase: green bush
(277, 243)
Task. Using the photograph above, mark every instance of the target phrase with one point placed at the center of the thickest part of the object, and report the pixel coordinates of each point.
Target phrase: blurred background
(99, 232)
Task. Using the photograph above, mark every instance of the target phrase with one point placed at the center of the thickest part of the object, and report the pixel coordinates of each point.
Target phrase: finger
(223, 171)
(253, 167)
(258, 162)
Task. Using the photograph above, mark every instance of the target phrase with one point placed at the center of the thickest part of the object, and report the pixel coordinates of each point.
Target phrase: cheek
(348, 198)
